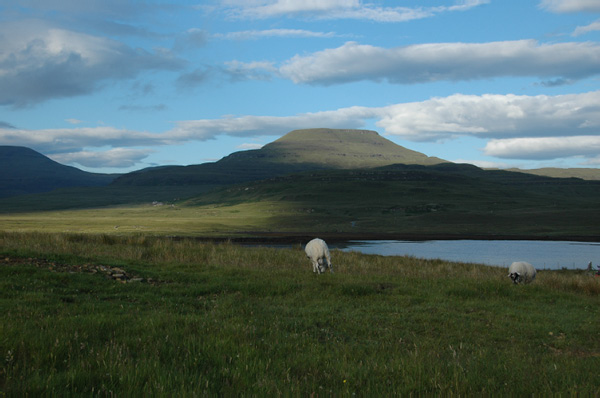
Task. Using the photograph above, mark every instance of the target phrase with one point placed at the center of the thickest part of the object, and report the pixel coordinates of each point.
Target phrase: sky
(114, 86)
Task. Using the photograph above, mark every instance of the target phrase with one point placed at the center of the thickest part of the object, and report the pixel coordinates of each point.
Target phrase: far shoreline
(303, 237)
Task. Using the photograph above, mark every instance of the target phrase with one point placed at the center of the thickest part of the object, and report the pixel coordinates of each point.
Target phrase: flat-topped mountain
(23, 171)
(299, 150)
(339, 149)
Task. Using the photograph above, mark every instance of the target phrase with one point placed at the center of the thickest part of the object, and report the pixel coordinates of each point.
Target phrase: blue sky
(115, 85)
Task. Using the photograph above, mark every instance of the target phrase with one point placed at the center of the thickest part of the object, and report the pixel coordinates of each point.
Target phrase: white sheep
(521, 271)
(318, 252)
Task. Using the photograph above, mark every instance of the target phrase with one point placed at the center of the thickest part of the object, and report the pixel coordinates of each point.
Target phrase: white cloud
(485, 164)
(444, 61)
(493, 116)
(568, 6)
(259, 34)
(340, 9)
(581, 30)
(248, 126)
(544, 147)
(516, 125)
(116, 157)
(247, 146)
(56, 141)
(40, 62)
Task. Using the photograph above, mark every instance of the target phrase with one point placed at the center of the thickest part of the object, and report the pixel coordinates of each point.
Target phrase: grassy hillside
(341, 149)
(445, 199)
(585, 174)
(24, 171)
(297, 151)
(200, 319)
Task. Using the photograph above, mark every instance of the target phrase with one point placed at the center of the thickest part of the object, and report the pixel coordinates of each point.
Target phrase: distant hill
(583, 173)
(299, 150)
(446, 199)
(25, 171)
(341, 149)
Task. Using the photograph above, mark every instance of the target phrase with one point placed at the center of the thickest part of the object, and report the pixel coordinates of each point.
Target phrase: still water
(542, 254)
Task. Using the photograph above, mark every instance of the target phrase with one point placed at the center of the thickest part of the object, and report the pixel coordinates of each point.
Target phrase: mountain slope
(583, 173)
(448, 199)
(24, 171)
(299, 150)
(341, 149)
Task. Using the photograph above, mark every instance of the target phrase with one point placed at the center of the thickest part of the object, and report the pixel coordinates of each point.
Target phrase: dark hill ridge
(447, 199)
(24, 171)
(299, 150)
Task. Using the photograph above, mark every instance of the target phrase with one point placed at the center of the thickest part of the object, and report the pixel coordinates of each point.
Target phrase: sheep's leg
(315, 266)
(320, 266)
(329, 264)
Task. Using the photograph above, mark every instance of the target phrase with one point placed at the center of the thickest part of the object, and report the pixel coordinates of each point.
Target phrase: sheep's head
(516, 277)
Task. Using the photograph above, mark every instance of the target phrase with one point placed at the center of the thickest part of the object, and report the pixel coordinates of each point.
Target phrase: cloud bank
(41, 62)
(424, 63)
(523, 127)
(115, 157)
(544, 148)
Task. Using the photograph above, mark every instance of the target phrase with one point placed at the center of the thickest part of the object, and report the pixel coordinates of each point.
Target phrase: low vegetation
(212, 319)
(447, 199)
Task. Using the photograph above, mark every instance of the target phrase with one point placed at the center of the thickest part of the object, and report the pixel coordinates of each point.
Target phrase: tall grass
(229, 320)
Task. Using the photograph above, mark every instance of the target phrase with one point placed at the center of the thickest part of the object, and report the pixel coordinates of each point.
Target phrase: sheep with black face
(521, 271)
(318, 253)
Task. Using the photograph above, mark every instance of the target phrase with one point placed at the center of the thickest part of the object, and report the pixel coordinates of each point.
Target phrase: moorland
(331, 182)
(192, 318)
(132, 286)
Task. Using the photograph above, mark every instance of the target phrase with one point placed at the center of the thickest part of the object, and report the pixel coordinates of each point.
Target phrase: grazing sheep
(521, 271)
(318, 252)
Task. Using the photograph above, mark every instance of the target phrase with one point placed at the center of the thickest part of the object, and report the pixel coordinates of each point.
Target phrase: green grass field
(221, 319)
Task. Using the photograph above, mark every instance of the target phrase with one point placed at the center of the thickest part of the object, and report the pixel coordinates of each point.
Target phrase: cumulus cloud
(444, 61)
(116, 157)
(568, 6)
(544, 148)
(40, 62)
(493, 116)
(340, 9)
